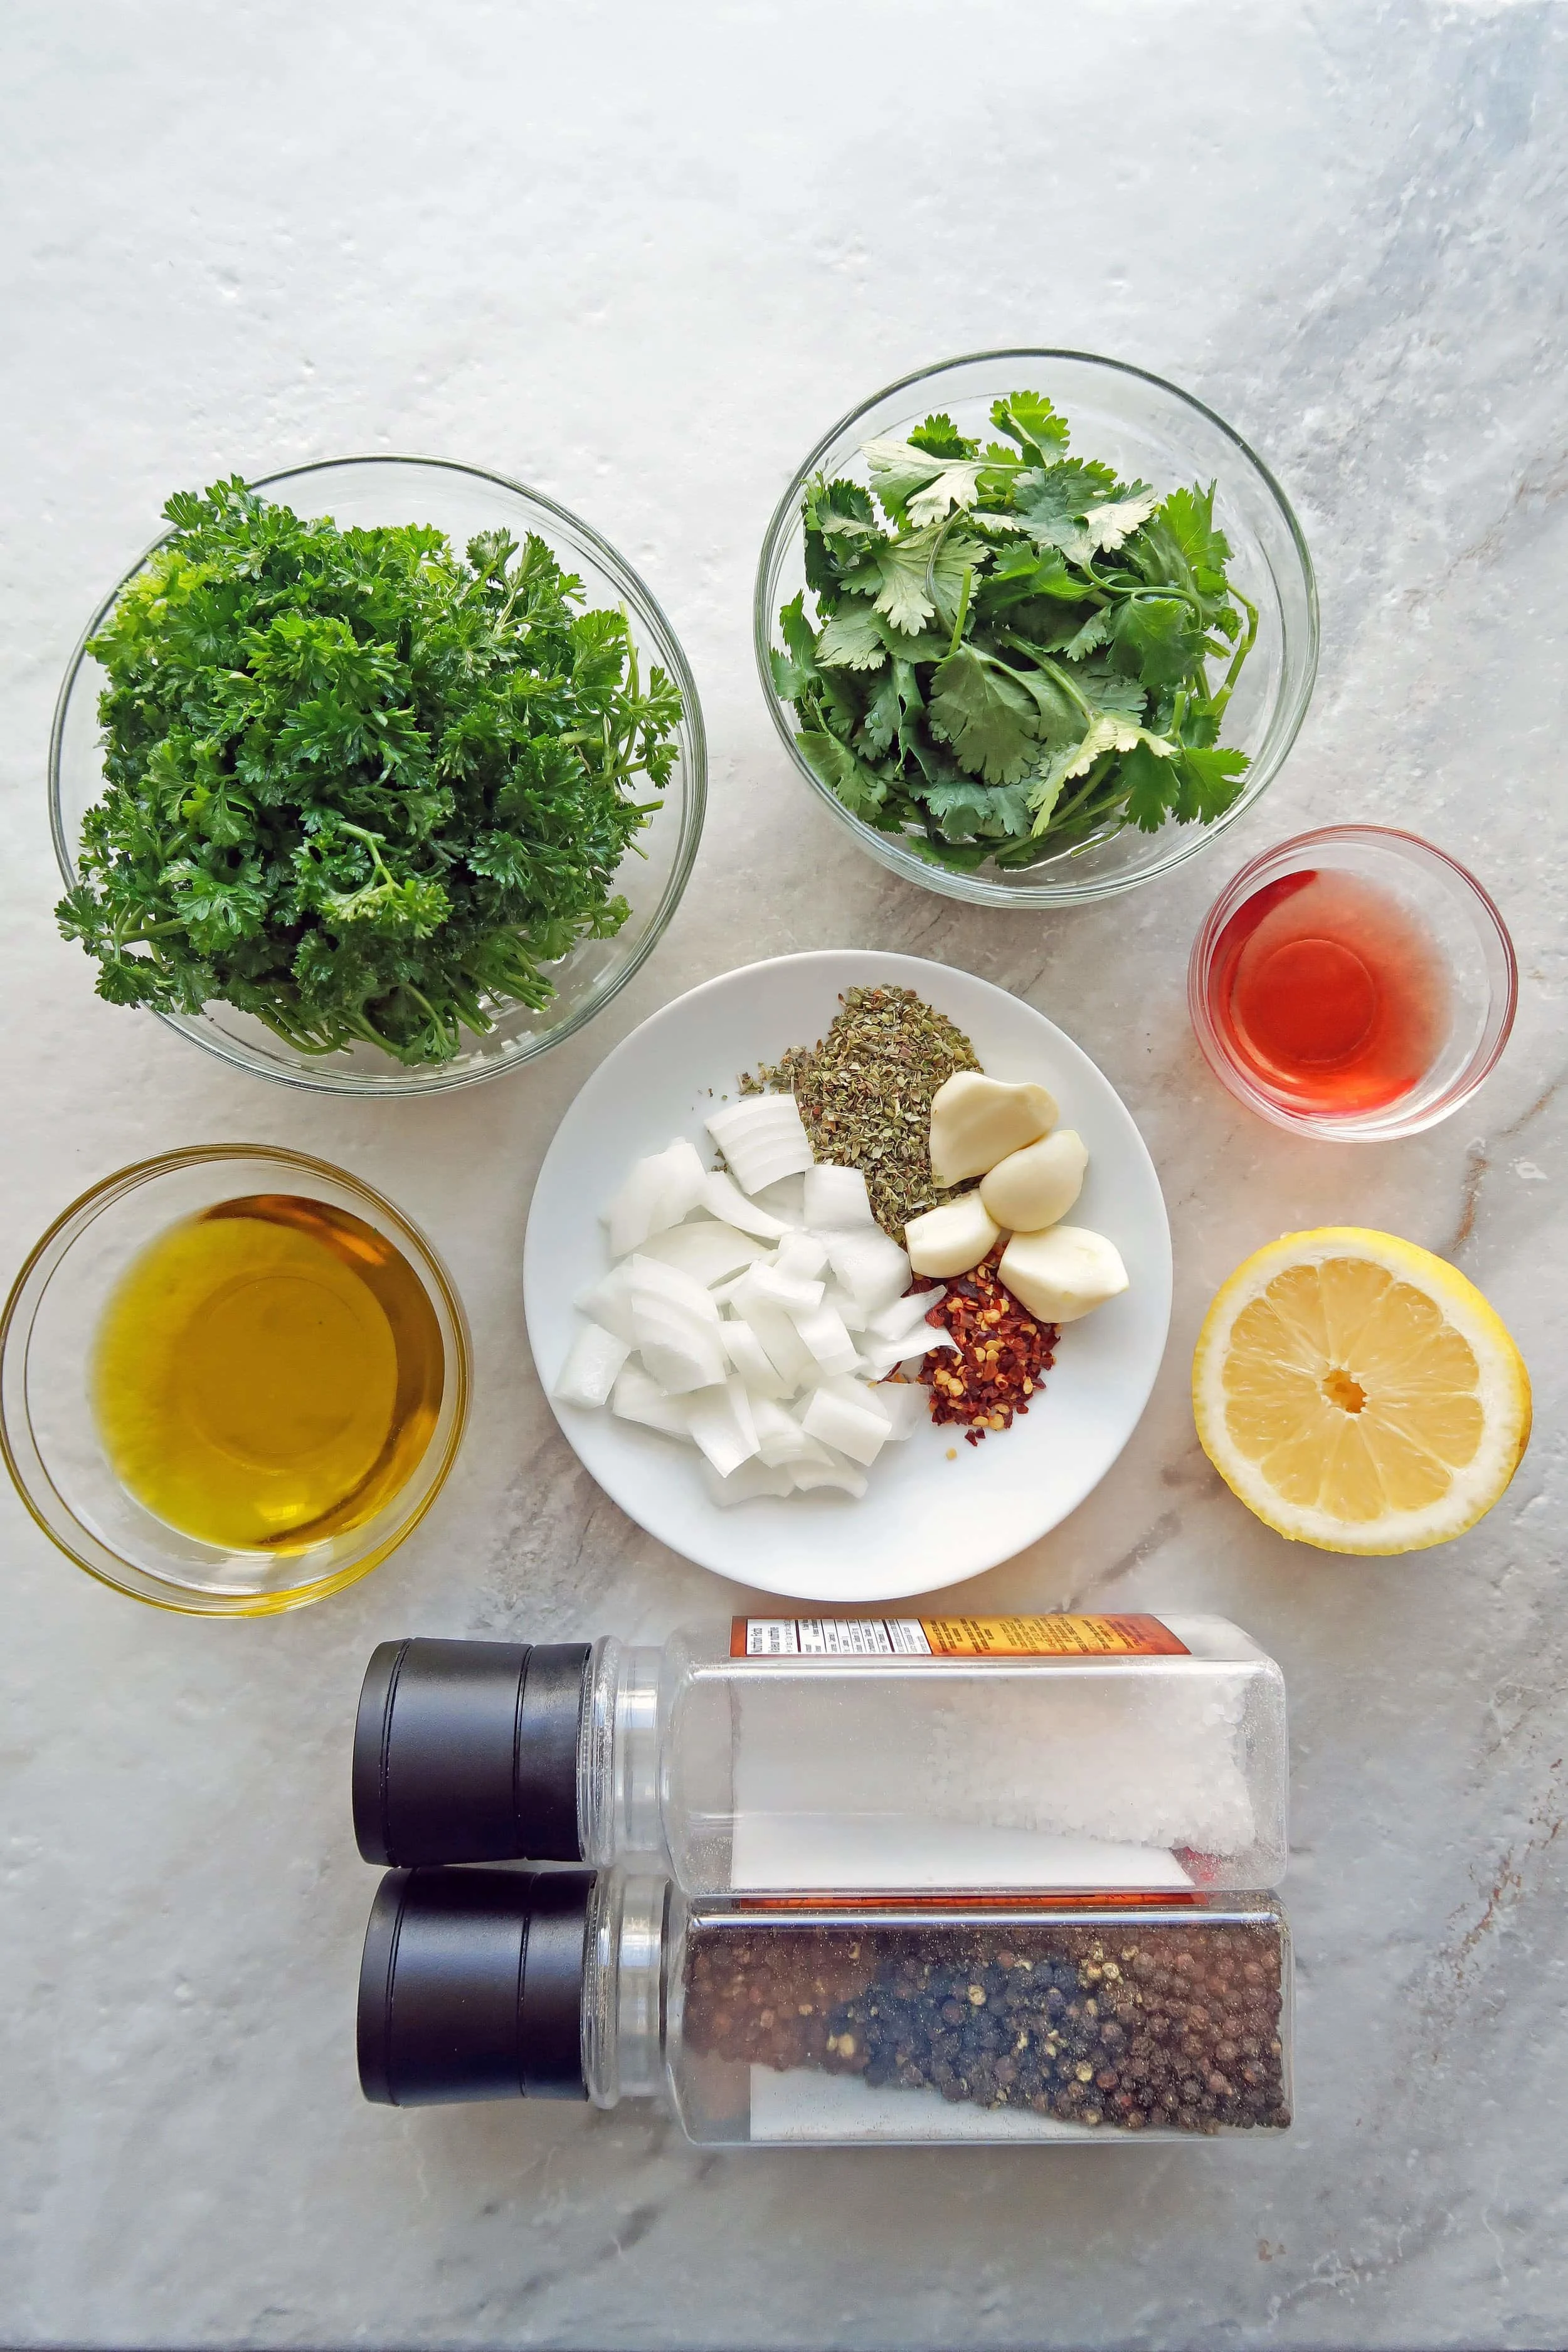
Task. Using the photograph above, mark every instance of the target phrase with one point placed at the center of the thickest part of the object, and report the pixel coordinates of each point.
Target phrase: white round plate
(925, 1521)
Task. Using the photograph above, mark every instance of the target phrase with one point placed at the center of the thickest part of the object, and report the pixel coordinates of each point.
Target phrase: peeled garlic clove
(952, 1239)
(1063, 1273)
(1036, 1187)
(976, 1121)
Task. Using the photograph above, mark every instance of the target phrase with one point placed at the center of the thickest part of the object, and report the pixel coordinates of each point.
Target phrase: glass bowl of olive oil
(232, 1380)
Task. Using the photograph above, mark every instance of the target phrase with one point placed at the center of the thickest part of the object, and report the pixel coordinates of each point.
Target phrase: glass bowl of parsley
(380, 775)
(1035, 626)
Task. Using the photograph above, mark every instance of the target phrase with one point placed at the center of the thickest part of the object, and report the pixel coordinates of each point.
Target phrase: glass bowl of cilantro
(376, 776)
(1036, 626)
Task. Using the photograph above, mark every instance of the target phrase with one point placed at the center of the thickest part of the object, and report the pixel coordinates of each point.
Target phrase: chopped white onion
(907, 1406)
(852, 1316)
(780, 1437)
(781, 1342)
(658, 1193)
(609, 1302)
(753, 1363)
(705, 1249)
(873, 1269)
(830, 1344)
(745, 1485)
(785, 1199)
(846, 1427)
(719, 1420)
(763, 1139)
(766, 1284)
(589, 1372)
(881, 1355)
(650, 1279)
(800, 1258)
(637, 1396)
(835, 1197)
(723, 1198)
(835, 1472)
(905, 1313)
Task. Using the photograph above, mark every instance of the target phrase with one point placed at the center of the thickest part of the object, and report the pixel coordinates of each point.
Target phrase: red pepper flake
(1001, 1357)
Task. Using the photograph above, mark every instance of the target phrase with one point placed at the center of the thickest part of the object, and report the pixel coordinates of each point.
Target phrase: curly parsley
(1011, 659)
(357, 786)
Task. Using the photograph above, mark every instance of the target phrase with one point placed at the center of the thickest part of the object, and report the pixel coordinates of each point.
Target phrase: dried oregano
(864, 1093)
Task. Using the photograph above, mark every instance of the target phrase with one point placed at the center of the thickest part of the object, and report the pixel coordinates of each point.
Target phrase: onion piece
(908, 1404)
(883, 1354)
(650, 1279)
(836, 1198)
(800, 1258)
(905, 1314)
(829, 1343)
(765, 1284)
(752, 1360)
(780, 1437)
(592, 1362)
(705, 1249)
(747, 1485)
(659, 1192)
(850, 1314)
(723, 1198)
(781, 1342)
(720, 1419)
(637, 1396)
(763, 1139)
(848, 1428)
(872, 1268)
(835, 1473)
(784, 1200)
(609, 1302)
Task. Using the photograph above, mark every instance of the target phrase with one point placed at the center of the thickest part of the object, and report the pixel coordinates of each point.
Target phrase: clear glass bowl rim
(695, 797)
(27, 1293)
(1236, 1081)
(888, 848)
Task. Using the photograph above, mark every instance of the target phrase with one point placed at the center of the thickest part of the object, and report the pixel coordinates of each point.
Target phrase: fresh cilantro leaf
(1028, 418)
(851, 640)
(1094, 633)
(858, 786)
(995, 812)
(1155, 640)
(1211, 782)
(1015, 661)
(1023, 574)
(1051, 503)
(1150, 785)
(921, 576)
(1080, 509)
(986, 715)
(1188, 516)
(894, 710)
(1108, 732)
(940, 438)
(910, 482)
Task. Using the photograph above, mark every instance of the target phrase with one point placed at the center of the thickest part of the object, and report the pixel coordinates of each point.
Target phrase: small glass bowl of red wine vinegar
(1355, 982)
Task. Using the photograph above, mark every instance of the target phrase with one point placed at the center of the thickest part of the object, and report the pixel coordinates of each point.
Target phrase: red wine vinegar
(1329, 993)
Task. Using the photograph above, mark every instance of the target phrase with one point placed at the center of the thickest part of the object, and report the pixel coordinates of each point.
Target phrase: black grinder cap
(471, 1987)
(467, 1751)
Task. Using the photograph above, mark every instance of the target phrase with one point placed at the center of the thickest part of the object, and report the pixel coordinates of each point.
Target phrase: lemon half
(1358, 1394)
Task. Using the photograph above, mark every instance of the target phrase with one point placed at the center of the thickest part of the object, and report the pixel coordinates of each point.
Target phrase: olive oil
(267, 1374)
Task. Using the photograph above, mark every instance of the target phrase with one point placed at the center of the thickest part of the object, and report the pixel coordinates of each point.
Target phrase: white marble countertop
(639, 256)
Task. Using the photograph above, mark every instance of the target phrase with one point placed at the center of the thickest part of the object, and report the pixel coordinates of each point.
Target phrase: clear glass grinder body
(820, 1771)
(830, 2022)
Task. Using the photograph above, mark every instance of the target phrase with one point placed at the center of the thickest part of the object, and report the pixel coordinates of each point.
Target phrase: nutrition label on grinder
(953, 1637)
